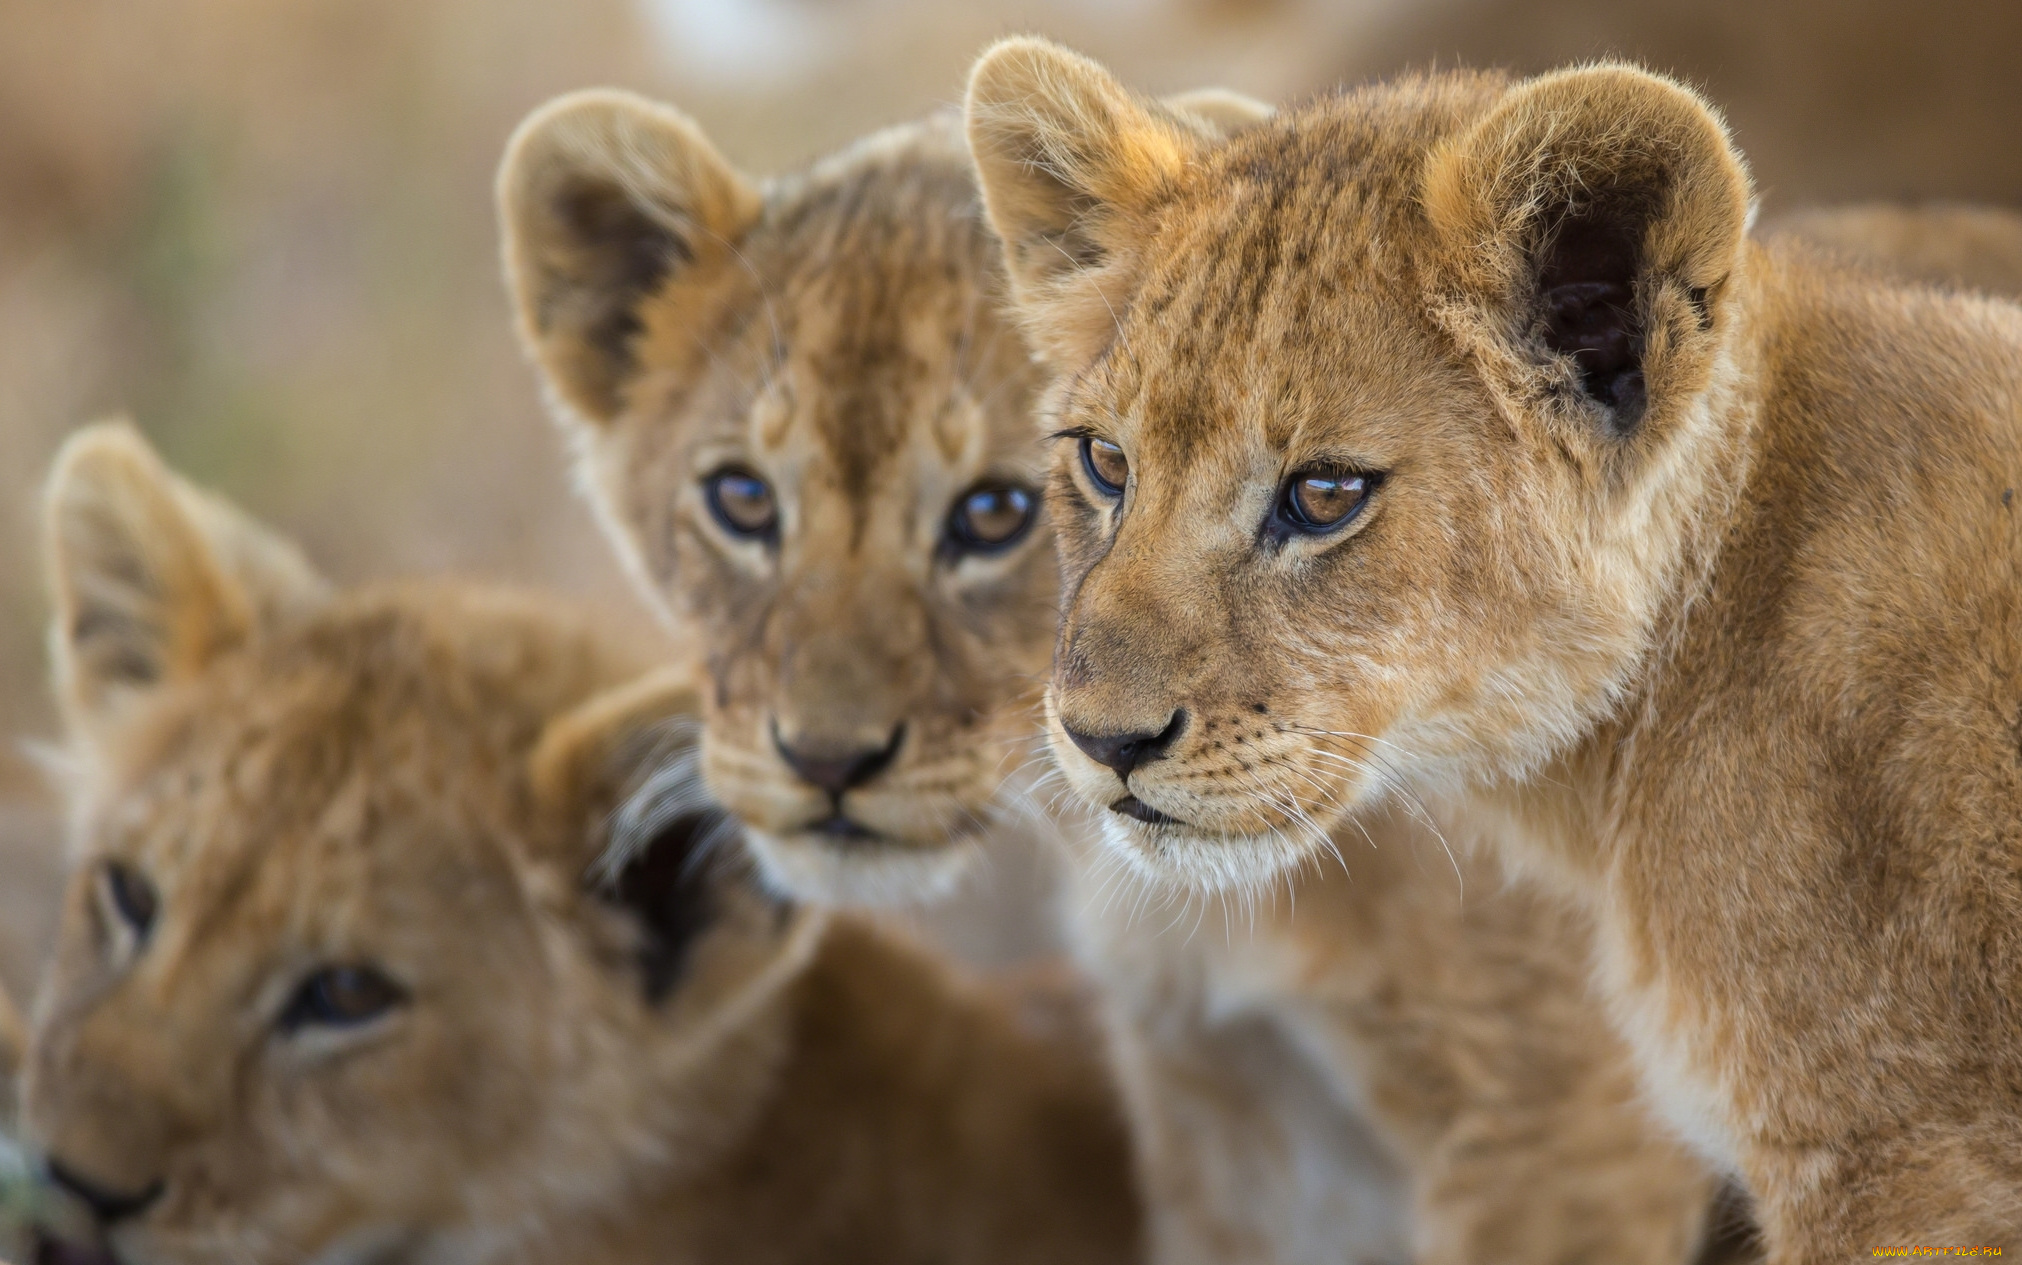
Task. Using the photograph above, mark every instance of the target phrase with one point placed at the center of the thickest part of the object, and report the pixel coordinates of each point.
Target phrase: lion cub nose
(106, 1204)
(1126, 751)
(833, 772)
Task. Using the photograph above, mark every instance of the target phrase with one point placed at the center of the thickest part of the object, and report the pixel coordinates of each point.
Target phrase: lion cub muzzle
(1123, 753)
(836, 772)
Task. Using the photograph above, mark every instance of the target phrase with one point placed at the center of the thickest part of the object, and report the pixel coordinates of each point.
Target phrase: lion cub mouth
(1132, 806)
(841, 827)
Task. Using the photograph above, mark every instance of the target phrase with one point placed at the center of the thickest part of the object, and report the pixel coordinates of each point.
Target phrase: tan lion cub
(341, 978)
(1451, 435)
(809, 427)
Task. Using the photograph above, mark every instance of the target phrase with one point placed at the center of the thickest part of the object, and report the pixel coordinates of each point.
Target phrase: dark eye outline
(315, 1002)
(712, 492)
(132, 897)
(1287, 519)
(1102, 485)
(959, 539)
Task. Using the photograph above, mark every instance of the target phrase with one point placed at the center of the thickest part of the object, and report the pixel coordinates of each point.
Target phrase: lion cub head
(1382, 427)
(338, 977)
(807, 425)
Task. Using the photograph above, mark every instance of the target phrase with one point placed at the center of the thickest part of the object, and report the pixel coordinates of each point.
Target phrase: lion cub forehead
(1332, 184)
(877, 275)
(385, 706)
(1294, 244)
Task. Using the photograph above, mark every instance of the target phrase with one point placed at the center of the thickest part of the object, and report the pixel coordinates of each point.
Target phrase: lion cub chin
(399, 930)
(807, 423)
(1450, 436)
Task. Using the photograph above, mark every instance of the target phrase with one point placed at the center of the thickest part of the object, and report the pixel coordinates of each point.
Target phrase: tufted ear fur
(589, 758)
(1597, 215)
(605, 198)
(1069, 162)
(150, 577)
(1224, 110)
(622, 773)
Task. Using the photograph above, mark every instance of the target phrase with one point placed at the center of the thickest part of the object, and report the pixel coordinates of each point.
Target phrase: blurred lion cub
(341, 978)
(808, 423)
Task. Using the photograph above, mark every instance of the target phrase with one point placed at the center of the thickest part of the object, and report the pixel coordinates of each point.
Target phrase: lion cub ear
(1226, 111)
(149, 577)
(1599, 212)
(1069, 162)
(622, 776)
(602, 762)
(605, 198)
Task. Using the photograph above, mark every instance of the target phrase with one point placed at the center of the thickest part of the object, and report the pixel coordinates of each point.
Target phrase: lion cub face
(332, 981)
(807, 423)
(1381, 427)
(804, 421)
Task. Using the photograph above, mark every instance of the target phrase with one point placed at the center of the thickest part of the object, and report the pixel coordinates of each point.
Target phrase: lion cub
(1451, 436)
(807, 423)
(399, 931)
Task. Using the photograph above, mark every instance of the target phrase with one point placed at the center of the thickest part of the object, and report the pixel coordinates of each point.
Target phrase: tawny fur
(1958, 247)
(423, 780)
(1300, 1065)
(1724, 642)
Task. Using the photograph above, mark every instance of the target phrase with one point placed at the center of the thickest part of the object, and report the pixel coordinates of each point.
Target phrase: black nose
(1124, 752)
(107, 1205)
(838, 773)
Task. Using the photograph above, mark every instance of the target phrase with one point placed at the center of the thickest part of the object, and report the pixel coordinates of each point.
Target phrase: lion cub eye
(742, 502)
(131, 896)
(1105, 464)
(990, 517)
(1319, 500)
(341, 997)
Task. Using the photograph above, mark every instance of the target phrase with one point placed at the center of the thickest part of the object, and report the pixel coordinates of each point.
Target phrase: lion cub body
(1373, 1066)
(1685, 564)
(340, 977)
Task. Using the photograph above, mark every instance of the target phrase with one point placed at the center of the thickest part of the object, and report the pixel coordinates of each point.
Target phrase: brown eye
(131, 896)
(743, 503)
(991, 517)
(1105, 464)
(1318, 501)
(341, 997)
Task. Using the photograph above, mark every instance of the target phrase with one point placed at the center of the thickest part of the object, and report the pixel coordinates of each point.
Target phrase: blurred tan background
(263, 227)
